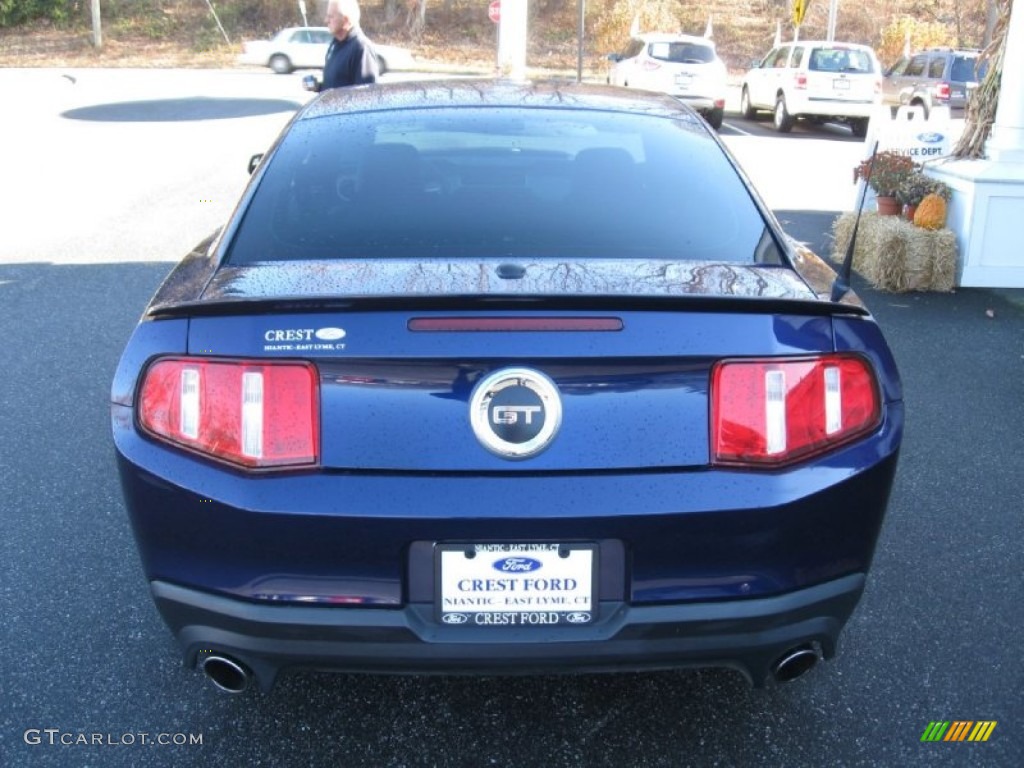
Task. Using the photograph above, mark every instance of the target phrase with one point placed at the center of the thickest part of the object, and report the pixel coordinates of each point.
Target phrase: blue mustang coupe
(491, 377)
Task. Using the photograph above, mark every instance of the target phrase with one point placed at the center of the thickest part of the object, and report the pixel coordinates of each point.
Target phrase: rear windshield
(841, 60)
(966, 70)
(682, 53)
(472, 183)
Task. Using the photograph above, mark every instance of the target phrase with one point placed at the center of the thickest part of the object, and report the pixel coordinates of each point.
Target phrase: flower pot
(889, 206)
(909, 211)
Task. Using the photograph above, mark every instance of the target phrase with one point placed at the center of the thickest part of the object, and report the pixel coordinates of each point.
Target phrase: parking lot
(111, 176)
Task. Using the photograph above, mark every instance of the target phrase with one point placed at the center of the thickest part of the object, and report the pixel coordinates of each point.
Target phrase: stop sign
(494, 11)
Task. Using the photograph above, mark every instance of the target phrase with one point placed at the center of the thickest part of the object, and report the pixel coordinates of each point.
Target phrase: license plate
(516, 584)
(684, 81)
(841, 85)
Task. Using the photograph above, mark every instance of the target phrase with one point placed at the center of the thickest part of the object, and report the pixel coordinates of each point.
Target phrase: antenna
(842, 282)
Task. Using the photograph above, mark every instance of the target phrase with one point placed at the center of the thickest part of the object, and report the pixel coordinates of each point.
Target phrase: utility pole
(579, 42)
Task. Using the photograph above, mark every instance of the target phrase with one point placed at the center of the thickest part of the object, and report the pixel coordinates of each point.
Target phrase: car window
(681, 53)
(840, 60)
(781, 57)
(899, 67)
(798, 57)
(937, 67)
(916, 66)
(320, 36)
(963, 70)
(300, 36)
(634, 47)
(474, 183)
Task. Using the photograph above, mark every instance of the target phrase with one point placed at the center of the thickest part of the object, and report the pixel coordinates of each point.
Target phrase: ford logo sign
(330, 334)
(455, 618)
(578, 618)
(930, 138)
(517, 565)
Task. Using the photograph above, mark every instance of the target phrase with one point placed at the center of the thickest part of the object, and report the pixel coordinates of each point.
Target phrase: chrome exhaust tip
(227, 674)
(794, 663)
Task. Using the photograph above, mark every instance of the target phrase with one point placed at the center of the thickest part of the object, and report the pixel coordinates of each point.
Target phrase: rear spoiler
(453, 303)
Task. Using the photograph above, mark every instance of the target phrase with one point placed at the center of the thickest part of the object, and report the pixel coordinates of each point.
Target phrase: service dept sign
(515, 412)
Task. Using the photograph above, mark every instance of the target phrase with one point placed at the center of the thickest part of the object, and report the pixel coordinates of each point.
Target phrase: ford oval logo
(578, 618)
(330, 334)
(455, 618)
(930, 138)
(517, 565)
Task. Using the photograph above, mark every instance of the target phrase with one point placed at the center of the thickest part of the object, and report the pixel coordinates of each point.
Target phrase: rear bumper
(746, 635)
(825, 107)
(701, 103)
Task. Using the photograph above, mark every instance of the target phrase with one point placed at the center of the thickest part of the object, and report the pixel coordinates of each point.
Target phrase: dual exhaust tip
(232, 676)
(227, 674)
(795, 663)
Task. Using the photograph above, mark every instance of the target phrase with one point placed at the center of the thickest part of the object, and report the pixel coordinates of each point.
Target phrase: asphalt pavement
(936, 637)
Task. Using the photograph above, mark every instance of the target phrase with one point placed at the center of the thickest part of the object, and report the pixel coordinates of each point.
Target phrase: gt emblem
(515, 412)
(509, 414)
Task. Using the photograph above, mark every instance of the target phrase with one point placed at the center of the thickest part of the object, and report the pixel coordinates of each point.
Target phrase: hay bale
(894, 255)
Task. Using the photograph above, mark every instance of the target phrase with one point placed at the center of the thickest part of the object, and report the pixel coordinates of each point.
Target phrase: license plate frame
(516, 584)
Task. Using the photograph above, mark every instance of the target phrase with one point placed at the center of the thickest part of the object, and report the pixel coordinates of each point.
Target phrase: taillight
(800, 80)
(253, 414)
(774, 412)
(942, 91)
(650, 66)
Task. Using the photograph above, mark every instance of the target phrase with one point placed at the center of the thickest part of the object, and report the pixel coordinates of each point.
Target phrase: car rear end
(690, 70)
(542, 411)
(839, 80)
(964, 76)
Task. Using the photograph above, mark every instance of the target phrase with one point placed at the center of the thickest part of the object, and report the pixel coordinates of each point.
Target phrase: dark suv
(937, 77)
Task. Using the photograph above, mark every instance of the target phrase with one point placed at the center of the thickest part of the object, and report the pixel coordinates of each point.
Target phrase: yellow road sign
(799, 9)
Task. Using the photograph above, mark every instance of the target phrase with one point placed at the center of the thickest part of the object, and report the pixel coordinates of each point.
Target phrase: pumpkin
(931, 213)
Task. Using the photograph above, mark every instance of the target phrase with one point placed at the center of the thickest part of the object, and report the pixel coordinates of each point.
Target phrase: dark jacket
(351, 61)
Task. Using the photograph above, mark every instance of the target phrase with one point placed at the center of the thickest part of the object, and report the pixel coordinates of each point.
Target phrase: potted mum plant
(886, 173)
(915, 188)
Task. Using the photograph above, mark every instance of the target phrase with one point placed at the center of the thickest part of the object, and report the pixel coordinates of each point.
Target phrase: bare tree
(416, 16)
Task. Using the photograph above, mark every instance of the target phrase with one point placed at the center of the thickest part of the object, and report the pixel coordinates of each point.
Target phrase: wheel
(859, 126)
(714, 118)
(280, 63)
(746, 108)
(783, 120)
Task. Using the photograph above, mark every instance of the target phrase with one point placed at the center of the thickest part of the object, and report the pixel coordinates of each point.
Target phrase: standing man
(351, 59)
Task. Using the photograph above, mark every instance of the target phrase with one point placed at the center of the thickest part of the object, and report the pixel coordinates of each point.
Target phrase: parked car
(821, 81)
(680, 65)
(937, 77)
(490, 377)
(306, 48)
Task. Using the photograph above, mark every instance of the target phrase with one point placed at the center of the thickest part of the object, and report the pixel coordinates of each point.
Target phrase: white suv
(817, 80)
(682, 66)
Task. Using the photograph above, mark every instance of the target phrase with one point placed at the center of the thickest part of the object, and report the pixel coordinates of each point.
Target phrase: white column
(1007, 140)
(512, 32)
(988, 194)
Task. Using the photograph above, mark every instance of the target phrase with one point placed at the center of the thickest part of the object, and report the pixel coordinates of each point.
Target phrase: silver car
(934, 78)
(306, 47)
